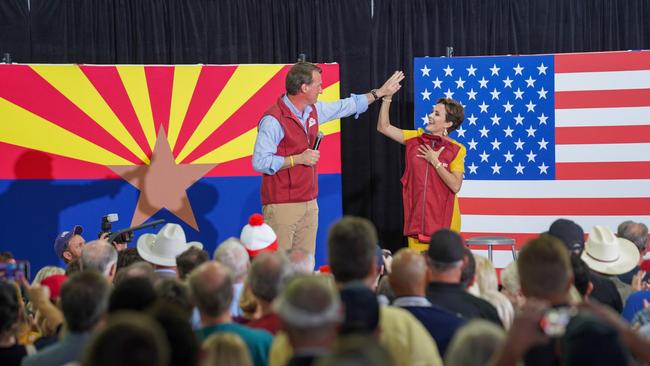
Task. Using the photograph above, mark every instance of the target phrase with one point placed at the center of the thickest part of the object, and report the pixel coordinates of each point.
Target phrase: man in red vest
(284, 152)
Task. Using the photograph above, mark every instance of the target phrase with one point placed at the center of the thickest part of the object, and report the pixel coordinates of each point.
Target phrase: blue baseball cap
(61, 242)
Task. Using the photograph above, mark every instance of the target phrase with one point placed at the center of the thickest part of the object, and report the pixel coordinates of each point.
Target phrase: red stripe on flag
(606, 61)
(602, 135)
(160, 81)
(618, 170)
(209, 85)
(602, 98)
(556, 206)
(108, 83)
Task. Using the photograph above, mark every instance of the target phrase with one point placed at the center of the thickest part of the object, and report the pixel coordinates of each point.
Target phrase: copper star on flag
(163, 183)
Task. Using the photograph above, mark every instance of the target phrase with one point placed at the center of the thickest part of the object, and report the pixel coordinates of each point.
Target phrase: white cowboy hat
(162, 248)
(605, 253)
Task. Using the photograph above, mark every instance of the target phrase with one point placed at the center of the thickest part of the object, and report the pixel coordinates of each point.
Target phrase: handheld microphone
(319, 138)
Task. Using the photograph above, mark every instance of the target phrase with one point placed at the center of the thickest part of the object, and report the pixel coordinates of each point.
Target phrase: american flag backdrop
(547, 136)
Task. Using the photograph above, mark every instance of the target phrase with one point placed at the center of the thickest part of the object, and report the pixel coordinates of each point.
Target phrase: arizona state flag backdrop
(146, 142)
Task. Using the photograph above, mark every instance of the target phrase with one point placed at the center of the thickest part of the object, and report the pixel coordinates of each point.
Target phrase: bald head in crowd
(100, 256)
(408, 276)
(211, 285)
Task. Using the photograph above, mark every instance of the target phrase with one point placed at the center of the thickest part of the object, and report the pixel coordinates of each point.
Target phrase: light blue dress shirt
(270, 132)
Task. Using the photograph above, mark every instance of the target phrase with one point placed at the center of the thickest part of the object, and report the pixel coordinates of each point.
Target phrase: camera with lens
(107, 228)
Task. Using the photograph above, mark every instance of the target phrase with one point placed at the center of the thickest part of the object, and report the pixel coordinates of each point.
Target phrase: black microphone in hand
(319, 138)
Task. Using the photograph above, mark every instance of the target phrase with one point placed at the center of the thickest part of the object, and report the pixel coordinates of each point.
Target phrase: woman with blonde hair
(46, 272)
(488, 289)
(225, 348)
(248, 305)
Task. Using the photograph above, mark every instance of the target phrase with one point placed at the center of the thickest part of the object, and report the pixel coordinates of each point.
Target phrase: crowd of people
(563, 300)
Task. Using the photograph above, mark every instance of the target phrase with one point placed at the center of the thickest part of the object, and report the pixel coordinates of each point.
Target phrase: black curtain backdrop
(369, 39)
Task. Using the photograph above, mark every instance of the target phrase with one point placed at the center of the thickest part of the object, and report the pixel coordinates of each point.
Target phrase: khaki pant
(295, 224)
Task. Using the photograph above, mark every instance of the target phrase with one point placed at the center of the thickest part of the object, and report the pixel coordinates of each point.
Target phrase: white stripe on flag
(536, 224)
(619, 188)
(624, 116)
(605, 80)
(584, 153)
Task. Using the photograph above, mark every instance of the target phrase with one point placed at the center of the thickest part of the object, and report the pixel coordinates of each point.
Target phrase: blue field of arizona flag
(146, 142)
(547, 136)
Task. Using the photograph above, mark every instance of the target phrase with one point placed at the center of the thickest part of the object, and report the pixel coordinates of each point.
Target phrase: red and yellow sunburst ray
(245, 118)
(108, 83)
(109, 115)
(185, 79)
(242, 145)
(243, 84)
(135, 82)
(73, 84)
(160, 83)
(210, 84)
(24, 128)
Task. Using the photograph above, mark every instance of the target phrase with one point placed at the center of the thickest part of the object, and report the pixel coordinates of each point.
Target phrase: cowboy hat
(605, 253)
(162, 248)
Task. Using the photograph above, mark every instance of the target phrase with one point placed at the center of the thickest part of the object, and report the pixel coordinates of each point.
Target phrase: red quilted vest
(300, 183)
(428, 202)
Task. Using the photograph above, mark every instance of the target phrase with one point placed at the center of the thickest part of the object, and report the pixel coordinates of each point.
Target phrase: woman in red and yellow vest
(434, 170)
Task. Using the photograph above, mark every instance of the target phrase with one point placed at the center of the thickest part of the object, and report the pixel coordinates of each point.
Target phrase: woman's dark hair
(581, 274)
(455, 112)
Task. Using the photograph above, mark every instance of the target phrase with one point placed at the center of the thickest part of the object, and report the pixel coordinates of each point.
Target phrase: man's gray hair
(268, 274)
(636, 232)
(301, 260)
(98, 255)
(475, 343)
(309, 302)
(211, 287)
(232, 254)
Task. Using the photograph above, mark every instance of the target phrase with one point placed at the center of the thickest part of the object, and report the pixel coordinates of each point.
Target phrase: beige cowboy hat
(608, 254)
(162, 248)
